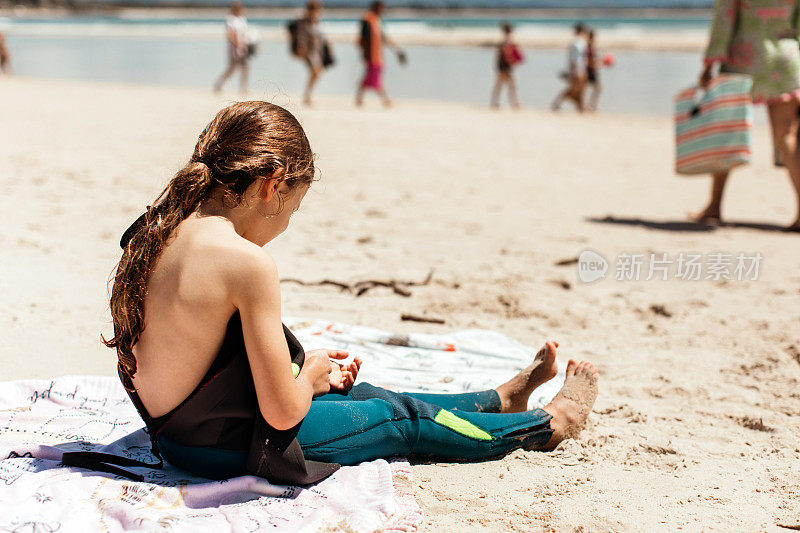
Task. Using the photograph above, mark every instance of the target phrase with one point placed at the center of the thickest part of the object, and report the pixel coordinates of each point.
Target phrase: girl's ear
(269, 186)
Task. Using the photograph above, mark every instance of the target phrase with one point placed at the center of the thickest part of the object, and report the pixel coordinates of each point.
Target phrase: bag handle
(698, 96)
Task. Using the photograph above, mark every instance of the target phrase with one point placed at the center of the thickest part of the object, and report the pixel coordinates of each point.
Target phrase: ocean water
(189, 51)
(639, 83)
(336, 22)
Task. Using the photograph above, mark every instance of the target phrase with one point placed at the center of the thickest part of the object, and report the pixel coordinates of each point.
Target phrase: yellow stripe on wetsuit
(459, 425)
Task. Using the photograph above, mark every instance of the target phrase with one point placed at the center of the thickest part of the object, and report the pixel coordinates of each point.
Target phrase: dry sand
(696, 425)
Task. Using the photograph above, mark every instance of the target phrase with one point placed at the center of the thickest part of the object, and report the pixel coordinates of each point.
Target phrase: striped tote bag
(713, 133)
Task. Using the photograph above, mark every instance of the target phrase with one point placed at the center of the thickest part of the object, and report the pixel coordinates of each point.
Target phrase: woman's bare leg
(313, 76)
(556, 105)
(784, 121)
(361, 88)
(360, 95)
(224, 77)
(387, 102)
(512, 91)
(502, 78)
(578, 94)
(574, 92)
(498, 85)
(713, 209)
(243, 80)
(596, 88)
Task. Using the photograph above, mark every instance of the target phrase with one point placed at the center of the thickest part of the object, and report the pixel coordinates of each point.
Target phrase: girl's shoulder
(215, 249)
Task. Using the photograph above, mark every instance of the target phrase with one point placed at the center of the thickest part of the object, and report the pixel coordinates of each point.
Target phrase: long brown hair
(244, 142)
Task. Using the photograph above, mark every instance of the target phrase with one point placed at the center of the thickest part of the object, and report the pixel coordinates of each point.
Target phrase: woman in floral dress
(760, 38)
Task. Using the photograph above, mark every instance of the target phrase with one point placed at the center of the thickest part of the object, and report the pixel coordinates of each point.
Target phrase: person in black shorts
(592, 71)
(508, 57)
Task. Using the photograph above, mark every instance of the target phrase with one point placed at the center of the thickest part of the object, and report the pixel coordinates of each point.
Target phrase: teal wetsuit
(370, 422)
(367, 423)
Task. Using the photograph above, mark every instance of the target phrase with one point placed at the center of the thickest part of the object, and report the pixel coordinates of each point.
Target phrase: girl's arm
(255, 290)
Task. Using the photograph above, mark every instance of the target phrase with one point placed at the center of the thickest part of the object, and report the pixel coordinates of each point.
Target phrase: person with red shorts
(372, 40)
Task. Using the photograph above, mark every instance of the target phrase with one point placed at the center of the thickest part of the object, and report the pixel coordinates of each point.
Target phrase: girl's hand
(349, 374)
(317, 370)
(342, 377)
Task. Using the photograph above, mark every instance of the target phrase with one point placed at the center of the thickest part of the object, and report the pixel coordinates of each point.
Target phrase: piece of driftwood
(343, 286)
(415, 318)
(567, 262)
(361, 287)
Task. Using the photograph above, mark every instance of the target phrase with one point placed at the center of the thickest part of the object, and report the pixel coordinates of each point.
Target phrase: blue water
(189, 51)
(639, 83)
(668, 22)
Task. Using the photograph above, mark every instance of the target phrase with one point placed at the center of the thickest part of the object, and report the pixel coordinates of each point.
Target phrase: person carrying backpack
(308, 44)
(508, 57)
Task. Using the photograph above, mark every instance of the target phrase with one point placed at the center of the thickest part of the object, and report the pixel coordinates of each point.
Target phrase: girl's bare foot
(572, 404)
(515, 392)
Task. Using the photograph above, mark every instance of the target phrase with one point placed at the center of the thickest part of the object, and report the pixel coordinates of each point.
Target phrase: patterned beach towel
(714, 133)
(41, 419)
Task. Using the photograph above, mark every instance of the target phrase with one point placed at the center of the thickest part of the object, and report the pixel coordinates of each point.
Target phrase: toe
(572, 366)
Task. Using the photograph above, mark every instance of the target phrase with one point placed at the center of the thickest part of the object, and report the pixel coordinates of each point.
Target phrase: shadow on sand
(684, 225)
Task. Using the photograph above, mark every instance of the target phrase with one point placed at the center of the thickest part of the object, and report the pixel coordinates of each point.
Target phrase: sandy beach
(697, 423)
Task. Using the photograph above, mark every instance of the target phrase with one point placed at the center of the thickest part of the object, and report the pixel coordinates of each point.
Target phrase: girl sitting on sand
(225, 389)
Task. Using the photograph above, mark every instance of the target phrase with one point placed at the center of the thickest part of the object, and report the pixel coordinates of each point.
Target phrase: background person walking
(592, 71)
(5, 56)
(372, 41)
(309, 45)
(576, 73)
(508, 57)
(236, 37)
